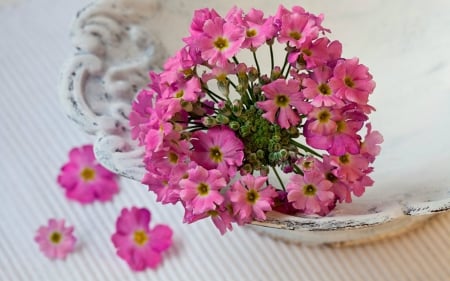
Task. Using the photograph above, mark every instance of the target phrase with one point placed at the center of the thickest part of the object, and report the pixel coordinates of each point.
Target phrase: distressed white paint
(119, 41)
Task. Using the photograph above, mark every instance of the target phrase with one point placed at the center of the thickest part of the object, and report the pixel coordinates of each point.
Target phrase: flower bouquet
(257, 113)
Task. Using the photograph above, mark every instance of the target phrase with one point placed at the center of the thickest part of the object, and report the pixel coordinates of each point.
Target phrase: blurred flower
(84, 179)
(55, 240)
(138, 244)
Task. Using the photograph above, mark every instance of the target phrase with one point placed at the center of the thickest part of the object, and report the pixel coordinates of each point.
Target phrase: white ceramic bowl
(118, 42)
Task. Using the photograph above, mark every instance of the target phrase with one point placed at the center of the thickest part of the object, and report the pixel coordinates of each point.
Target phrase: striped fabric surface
(35, 139)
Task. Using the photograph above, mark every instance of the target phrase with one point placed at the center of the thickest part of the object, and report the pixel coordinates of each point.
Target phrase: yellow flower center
(307, 164)
(295, 35)
(282, 100)
(213, 213)
(173, 158)
(307, 52)
(215, 154)
(324, 89)
(344, 159)
(252, 196)
(87, 174)
(221, 43)
(341, 126)
(179, 94)
(56, 237)
(324, 116)
(203, 189)
(251, 33)
(349, 82)
(140, 237)
(309, 190)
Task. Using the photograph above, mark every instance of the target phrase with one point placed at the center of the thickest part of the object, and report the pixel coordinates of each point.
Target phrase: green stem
(285, 63)
(287, 72)
(235, 60)
(213, 95)
(232, 83)
(271, 57)
(305, 148)
(297, 170)
(256, 62)
(278, 177)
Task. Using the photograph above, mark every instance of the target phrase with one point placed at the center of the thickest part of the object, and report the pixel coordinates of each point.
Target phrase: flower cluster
(220, 134)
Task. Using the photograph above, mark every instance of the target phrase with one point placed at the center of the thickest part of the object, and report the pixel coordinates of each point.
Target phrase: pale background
(35, 137)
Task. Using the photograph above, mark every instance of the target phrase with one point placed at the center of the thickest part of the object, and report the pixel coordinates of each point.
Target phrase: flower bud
(241, 88)
(264, 171)
(252, 158)
(260, 154)
(224, 87)
(245, 130)
(257, 165)
(246, 169)
(209, 122)
(241, 69)
(234, 125)
(264, 79)
(294, 132)
(252, 74)
(236, 108)
(222, 119)
(283, 154)
(276, 73)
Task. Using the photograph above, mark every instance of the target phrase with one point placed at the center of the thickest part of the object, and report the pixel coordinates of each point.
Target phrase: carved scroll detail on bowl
(115, 49)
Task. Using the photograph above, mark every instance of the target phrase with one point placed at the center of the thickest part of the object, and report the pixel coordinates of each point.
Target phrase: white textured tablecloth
(35, 137)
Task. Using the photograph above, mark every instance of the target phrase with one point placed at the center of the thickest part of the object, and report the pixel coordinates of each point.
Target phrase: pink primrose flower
(141, 114)
(165, 168)
(138, 244)
(201, 190)
(319, 52)
(322, 122)
(282, 97)
(220, 73)
(352, 81)
(178, 67)
(310, 193)
(198, 21)
(165, 185)
(251, 198)
(340, 187)
(86, 180)
(370, 147)
(55, 240)
(318, 90)
(359, 187)
(350, 167)
(173, 97)
(258, 29)
(218, 148)
(298, 28)
(220, 41)
(222, 217)
(335, 131)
